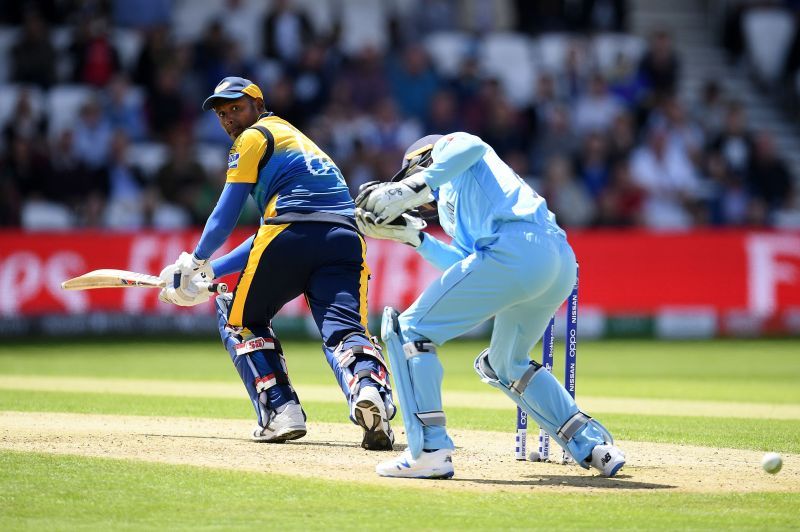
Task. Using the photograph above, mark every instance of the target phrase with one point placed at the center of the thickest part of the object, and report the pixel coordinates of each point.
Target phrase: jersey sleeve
(222, 219)
(233, 261)
(439, 254)
(245, 155)
(452, 155)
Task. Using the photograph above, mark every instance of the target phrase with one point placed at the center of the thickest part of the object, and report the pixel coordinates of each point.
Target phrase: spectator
(287, 31)
(233, 60)
(10, 200)
(32, 56)
(361, 166)
(28, 167)
(125, 109)
(312, 78)
(413, 82)
(95, 60)
(545, 98)
(157, 52)
(443, 114)
(735, 142)
(80, 185)
(557, 138)
(27, 123)
(126, 204)
(243, 18)
(572, 78)
(729, 200)
(366, 78)
(622, 137)
(620, 203)
(687, 135)
(209, 53)
(660, 66)
(166, 103)
(281, 101)
(503, 127)
(475, 114)
(595, 111)
(182, 179)
(670, 181)
(709, 111)
(93, 135)
(625, 83)
(593, 169)
(768, 177)
(566, 198)
(387, 132)
(467, 82)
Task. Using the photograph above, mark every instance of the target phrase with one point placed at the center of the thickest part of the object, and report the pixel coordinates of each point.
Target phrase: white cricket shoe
(369, 411)
(434, 464)
(608, 459)
(290, 424)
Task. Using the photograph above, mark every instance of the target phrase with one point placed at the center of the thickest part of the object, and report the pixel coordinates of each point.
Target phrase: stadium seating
(448, 49)
(767, 56)
(64, 104)
(509, 57)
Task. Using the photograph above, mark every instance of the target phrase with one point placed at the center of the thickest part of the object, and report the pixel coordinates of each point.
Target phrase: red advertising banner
(621, 271)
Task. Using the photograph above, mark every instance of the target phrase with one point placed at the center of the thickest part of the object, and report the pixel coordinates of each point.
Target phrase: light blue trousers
(520, 278)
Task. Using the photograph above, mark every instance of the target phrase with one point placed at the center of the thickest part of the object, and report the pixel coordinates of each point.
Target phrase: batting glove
(182, 280)
(389, 200)
(405, 228)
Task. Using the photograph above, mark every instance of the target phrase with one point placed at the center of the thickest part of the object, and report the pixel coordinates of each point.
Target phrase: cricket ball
(772, 463)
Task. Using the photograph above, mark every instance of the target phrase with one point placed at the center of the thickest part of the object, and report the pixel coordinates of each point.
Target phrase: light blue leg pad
(426, 377)
(418, 381)
(552, 407)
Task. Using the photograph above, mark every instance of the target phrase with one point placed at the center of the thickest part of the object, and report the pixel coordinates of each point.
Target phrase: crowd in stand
(608, 147)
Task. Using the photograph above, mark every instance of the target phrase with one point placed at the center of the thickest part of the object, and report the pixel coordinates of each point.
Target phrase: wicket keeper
(508, 260)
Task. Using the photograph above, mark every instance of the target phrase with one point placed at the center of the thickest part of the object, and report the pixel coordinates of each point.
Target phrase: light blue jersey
(477, 193)
(509, 261)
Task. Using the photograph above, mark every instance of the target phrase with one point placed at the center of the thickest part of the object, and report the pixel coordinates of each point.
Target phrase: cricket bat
(124, 279)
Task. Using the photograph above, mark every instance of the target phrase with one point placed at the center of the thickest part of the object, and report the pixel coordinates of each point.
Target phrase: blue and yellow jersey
(290, 173)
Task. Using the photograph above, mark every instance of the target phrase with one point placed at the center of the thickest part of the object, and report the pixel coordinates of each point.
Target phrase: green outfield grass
(724, 370)
(67, 493)
(102, 494)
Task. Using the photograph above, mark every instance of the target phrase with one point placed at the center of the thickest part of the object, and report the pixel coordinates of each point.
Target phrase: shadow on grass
(579, 481)
(353, 445)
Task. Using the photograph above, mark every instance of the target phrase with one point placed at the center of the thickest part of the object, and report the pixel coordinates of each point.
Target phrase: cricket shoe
(369, 411)
(430, 464)
(608, 459)
(289, 424)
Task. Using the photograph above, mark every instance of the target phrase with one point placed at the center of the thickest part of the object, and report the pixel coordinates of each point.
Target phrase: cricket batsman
(508, 260)
(307, 243)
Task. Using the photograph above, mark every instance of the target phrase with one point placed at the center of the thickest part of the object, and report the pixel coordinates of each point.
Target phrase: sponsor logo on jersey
(451, 211)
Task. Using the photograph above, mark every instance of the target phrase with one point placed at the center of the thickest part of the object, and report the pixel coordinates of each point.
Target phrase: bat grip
(215, 288)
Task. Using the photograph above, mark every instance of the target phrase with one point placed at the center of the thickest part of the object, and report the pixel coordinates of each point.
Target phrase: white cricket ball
(772, 463)
(534, 456)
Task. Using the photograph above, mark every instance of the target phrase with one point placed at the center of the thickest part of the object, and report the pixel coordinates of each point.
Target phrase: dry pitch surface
(483, 460)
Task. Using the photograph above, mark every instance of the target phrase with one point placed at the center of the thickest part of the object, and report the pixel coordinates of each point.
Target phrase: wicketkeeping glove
(389, 200)
(405, 228)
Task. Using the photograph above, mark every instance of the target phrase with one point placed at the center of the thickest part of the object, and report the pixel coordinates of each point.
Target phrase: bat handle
(216, 288)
